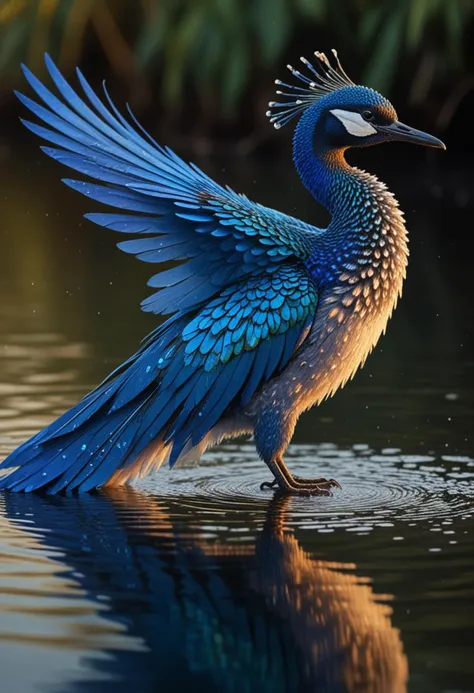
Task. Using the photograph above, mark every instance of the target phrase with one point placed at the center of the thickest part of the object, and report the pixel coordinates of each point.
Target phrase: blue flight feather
(100, 143)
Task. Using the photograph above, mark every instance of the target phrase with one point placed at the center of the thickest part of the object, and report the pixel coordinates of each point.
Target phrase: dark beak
(398, 131)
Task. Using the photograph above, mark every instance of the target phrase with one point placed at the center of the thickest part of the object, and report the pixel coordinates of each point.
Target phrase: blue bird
(270, 314)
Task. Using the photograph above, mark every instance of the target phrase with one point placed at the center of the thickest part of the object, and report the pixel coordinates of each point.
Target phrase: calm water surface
(196, 578)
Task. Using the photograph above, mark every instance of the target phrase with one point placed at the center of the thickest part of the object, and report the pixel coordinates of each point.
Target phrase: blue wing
(192, 372)
(177, 211)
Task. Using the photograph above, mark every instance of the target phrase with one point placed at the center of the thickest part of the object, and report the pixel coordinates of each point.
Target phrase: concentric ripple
(377, 488)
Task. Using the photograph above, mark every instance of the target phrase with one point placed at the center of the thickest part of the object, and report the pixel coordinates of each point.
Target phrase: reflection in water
(345, 634)
(38, 380)
(195, 610)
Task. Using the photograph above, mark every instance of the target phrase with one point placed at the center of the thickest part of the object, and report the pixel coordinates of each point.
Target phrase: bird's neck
(366, 233)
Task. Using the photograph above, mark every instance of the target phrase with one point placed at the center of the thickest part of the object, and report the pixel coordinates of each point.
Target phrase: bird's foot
(268, 484)
(329, 483)
(302, 487)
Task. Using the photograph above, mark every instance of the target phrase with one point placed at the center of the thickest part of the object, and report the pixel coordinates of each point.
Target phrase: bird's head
(341, 113)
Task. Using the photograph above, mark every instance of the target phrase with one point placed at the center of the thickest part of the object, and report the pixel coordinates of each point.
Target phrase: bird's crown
(325, 77)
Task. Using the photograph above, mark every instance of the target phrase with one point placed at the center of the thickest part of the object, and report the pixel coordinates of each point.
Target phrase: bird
(268, 315)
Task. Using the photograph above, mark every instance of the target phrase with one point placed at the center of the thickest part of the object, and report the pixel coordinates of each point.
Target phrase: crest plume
(324, 78)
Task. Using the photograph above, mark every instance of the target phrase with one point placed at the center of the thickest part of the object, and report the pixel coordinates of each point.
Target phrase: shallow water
(196, 577)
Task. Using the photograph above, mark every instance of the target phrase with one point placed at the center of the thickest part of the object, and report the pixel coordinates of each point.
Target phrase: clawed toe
(302, 487)
(268, 484)
(286, 483)
(321, 482)
(310, 491)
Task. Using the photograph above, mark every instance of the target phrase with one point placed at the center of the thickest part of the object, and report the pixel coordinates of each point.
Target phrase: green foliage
(388, 31)
(386, 41)
(213, 50)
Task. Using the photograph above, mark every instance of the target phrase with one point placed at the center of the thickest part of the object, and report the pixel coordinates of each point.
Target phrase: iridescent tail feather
(109, 428)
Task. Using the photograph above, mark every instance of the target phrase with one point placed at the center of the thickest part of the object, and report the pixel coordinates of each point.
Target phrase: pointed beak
(399, 131)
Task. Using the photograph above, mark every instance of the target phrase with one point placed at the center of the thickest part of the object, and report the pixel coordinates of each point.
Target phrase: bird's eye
(368, 115)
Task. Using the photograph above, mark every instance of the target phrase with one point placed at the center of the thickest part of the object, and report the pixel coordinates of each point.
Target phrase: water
(196, 577)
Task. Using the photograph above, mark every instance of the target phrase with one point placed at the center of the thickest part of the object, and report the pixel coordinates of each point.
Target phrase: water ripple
(377, 489)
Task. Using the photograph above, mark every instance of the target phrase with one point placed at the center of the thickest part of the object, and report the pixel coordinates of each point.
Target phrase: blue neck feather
(346, 192)
(324, 173)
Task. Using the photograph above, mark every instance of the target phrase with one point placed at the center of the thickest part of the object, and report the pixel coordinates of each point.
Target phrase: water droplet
(83, 447)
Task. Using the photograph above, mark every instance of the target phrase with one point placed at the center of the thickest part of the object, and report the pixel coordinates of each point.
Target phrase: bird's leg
(273, 432)
(288, 484)
(300, 481)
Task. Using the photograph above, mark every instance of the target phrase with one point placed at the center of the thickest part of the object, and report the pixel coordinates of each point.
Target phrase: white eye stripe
(354, 123)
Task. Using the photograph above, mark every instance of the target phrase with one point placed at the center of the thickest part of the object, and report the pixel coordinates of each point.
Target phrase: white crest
(354, 123)
(324, 77)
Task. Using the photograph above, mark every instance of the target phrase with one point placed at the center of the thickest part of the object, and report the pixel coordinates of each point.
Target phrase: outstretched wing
(177, 211)
(192, 373)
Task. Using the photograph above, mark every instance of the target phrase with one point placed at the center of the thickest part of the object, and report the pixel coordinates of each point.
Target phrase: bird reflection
(211, 613)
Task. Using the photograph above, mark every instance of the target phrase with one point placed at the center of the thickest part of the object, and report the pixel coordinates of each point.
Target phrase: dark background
(203, 70)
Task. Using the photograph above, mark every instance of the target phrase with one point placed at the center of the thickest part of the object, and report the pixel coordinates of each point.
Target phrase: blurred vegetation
(206, 56)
